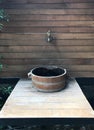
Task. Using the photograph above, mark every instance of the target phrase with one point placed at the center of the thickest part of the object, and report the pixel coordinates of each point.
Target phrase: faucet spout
(49, 36)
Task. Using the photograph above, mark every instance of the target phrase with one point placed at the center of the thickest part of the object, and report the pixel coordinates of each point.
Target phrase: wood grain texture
(75, 68)
(42, 42)
(34, 36)
(62, 5)
(23, 40)
(23, 73)
(39, 49)
(16, 29)
(49, 1)
(39, 17)
(30, 61)
(51, 11)
(28, 102)
(49, 55)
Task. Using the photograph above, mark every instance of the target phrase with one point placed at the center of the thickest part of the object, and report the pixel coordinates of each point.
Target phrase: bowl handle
(29, 75)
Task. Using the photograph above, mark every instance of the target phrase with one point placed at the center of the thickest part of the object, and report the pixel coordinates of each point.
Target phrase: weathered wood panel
(46, 49)
(49, 55)
(33, 36)
(74, 68)
(23, 41)
(29, 103)
(62, 5)
(42, 42)
(51, 11)
(29, 61)
(51, 24)
(35, 29)
(24, 73)
(24, 17)
(49, 1)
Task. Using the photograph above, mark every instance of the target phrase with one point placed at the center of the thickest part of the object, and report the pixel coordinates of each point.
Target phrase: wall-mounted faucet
(49, 38)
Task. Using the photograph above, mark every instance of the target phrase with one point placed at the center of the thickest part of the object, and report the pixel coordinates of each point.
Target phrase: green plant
(3, 17)
(1, 65)
(5, 90)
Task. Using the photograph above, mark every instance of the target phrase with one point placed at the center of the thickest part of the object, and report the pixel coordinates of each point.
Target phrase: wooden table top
(26, 101)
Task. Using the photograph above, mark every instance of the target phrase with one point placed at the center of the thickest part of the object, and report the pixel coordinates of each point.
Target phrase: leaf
(1, 66)
(1, 26)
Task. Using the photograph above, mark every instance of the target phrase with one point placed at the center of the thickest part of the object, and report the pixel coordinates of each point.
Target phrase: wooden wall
(22, 41)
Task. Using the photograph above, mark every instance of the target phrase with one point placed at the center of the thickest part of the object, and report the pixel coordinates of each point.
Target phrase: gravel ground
(53, 127)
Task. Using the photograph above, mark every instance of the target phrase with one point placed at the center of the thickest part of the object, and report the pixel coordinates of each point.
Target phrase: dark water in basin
(48, 72)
